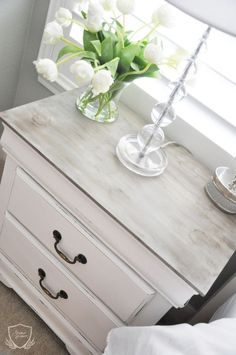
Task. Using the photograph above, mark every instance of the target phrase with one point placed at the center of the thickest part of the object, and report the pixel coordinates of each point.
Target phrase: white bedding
(227, 310)
(216, 338)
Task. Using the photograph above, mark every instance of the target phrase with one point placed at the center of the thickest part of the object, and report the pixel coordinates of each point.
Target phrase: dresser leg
(80, 351)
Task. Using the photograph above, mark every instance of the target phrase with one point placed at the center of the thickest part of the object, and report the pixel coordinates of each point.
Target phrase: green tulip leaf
(127, 56)
(113, 65)
(119, 25)
(134, 66)
(101, 36)
(107, 50)
(87, 54)
(68, 50)
(117, 49)
(98, 47)
(150, 73)
(140, 61)
(120, 37)
(88, 37)
(112, 35)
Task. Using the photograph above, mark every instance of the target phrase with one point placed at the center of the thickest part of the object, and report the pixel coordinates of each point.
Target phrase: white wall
(14, 19)
(21, 27)
(28, 88)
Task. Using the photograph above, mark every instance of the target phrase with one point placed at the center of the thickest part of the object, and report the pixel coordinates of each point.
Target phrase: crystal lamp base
(128, 152)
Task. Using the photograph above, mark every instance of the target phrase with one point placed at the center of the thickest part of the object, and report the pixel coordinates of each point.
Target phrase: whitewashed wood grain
(170, 214)
(99, 224)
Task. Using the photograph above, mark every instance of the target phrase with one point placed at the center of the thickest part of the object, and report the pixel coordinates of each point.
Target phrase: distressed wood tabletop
(170, 214)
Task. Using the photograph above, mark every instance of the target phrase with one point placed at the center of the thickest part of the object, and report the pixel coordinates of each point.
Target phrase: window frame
(193, 126)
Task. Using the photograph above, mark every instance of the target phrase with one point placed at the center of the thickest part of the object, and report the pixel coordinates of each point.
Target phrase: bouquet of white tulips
(108, 57)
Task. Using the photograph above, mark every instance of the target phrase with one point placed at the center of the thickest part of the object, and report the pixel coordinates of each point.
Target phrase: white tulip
(83, 72)
(126, 7)
(47, 68)
(108, 5)
(177, 58)
(164, 16)
(63, 17)
(102, 82)
(153, 53)
(94, 17)
(52, 33)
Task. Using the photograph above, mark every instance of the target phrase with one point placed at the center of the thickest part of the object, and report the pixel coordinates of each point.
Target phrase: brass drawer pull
(80, 257)
(61, 294)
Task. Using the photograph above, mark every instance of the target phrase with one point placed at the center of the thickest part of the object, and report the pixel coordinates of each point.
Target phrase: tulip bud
(164, 16)
(63, 17)
(52, 33)
(153, 53)
(83, 72)
(47, 68)
(102, 82)
(126, 7)
(108, 5)
(94, 17)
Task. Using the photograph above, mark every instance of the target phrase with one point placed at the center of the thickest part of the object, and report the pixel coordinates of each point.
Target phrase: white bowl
(223, 179)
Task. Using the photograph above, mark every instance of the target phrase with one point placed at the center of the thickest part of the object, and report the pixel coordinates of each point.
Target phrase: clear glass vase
(102, 108)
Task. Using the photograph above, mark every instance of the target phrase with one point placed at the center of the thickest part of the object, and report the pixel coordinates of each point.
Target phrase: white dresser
(87, 244)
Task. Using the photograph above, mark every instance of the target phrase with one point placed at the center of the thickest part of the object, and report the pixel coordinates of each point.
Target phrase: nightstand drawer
(73, 301)
(110, 279)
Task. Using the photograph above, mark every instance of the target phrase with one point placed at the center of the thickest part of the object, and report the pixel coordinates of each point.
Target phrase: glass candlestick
(182, 92)
(130, 151)
(168, 118)
(143, 153)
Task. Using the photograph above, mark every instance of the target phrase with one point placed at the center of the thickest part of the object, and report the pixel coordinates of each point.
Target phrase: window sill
(209, 137)
(203, 132)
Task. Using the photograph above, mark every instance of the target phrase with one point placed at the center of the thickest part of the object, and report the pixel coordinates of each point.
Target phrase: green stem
(71, 56)
(92, 98)
(88, 98)
(170, 63)
(79, 23)
(138, 72)
(115, 15)
(109, 110)
(70, 43)
(101, 104)
(138, 30)
(100, 67)
(150, 32)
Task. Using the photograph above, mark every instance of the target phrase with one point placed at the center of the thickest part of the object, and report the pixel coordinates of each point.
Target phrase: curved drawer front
(110, 279)
(77, 306)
